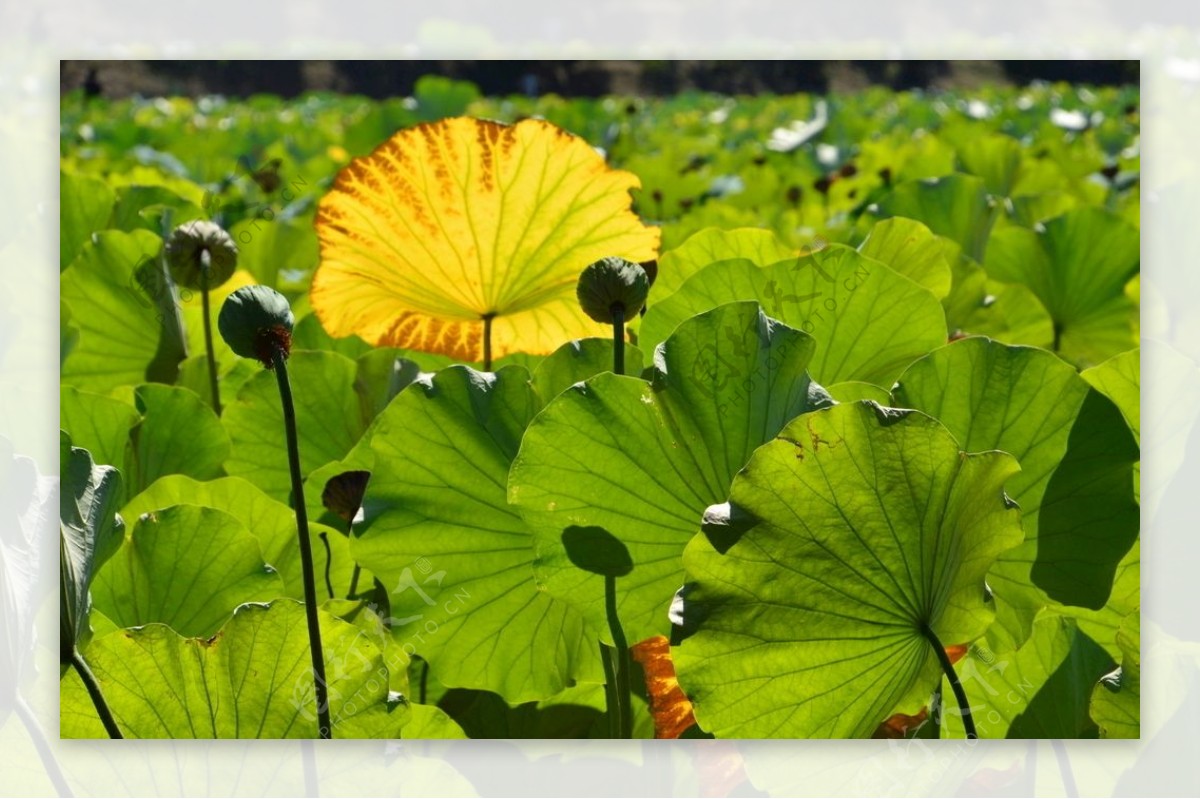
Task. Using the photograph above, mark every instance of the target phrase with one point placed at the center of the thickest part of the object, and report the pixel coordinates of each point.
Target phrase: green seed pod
(255, 321)
(186, 249)
(612, 283)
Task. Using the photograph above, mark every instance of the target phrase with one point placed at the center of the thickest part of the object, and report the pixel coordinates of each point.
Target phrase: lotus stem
(612, 701)
(618, 324)
(205, 270)
(619, 654)
(279, 364)
(487, 342)
(328, 564)
(960, 695)
(93, 688)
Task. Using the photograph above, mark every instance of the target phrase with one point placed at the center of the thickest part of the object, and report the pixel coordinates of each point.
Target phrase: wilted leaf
(450, 223)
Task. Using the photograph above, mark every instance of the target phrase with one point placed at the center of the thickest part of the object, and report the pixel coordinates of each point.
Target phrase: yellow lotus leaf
(456, 225)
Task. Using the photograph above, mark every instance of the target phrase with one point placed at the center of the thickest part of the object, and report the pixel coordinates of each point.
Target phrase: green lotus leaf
(642, 460)
(1077, 264)
(193, 375)
(270, 522)
(911, 249)
(90, 532)
(954, 206)
(869, 322)
(848, 537)
(186, 567)
(995, 158)
(1116, 704)
(1039, 691)
(84, 209)
(253, 679)
(330, 418)
(145, 207)
(268, 247)
(456, 558)
(1076, 479)
(1103, 625)
(853, 391)
(179, 434)
(427, 722)
(1119, 379)
(759, 246)
(171, 431)
(579, 360)
(115, 294)
(97, 423)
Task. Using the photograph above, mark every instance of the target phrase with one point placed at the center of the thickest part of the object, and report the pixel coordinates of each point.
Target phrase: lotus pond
(702, 416)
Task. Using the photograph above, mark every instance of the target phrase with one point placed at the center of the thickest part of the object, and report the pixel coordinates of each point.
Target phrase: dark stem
(424, 680)
(328, 563)
(487, 342)
(936, 707)
(960, 695)
(279, 363)
(93, 688)
(618, 314)
(611, 698)
(1057, 336)
(620, 654)
(354, 581)
(49, 762)
(205, 261)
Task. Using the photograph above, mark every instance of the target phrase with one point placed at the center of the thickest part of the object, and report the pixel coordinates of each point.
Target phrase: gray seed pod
(185, 254)
(612, 283)
(255, 321)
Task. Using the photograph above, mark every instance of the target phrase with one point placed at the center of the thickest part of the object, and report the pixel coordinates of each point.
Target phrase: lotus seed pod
(186, 249)
(255, 321)
(612, 283)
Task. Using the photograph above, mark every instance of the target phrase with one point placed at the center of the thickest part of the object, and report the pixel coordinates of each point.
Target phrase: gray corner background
(35, 35)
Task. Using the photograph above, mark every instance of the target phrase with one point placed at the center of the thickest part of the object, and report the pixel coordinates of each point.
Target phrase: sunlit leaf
(869, 322)
(329, 419)
(186, 567)
(1076, 478)
(1116, 700)
(1077, 265)
(761, 247)
(115, 312)
(85, 204)
(912, 250)
(450, 223)
(954, 206)
(253, 679)
(845, 538)
(1039, 691)
(270, 522)
(642, 459)
(454, 556)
